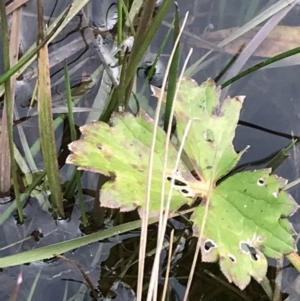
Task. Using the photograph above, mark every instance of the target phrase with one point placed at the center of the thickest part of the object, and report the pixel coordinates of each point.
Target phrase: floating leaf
(209, 141)
(242, 217)
(246, 216)
(244, 222)
(121, 151)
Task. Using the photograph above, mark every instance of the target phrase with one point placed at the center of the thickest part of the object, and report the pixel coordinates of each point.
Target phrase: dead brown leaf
(281, 39)
(14, 5)
(5, 160)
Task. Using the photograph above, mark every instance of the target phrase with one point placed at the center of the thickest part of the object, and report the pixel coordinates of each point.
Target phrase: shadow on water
(273, 102)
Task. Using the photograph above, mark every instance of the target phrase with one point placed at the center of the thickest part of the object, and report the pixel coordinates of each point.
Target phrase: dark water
(272, 102)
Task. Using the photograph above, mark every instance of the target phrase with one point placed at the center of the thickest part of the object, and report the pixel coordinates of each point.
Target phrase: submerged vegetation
(161, 171)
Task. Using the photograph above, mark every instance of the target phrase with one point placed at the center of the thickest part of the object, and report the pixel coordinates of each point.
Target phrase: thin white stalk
(145, 216)
(155, 269)
(161, 228)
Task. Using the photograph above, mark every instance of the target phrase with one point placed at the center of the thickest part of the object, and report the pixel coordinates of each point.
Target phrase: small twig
(85, 276)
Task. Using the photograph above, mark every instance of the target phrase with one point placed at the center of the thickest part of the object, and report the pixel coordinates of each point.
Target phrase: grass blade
(37, 178)
(31, 53)
(173, 73)
(262, 64)
(73, 138)
(46, 128)
(282, 155)
(142, 41)
(65, 246)
(248, 51)
(34, 284)
(140, 46)
(120, 22)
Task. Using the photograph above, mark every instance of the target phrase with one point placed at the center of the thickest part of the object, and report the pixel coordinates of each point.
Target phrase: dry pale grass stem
(145, 217)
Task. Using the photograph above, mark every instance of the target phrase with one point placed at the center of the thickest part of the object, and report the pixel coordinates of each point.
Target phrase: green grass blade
(105, 115)
(159, 53)
(73, 138)
(140, 46)
(69, 102)
(65, 246)
(8, 212)
(262, 64)
(32, 289)
(282, 155)
(173, 73)
(143, 41)
(128, 18)
(120, 22)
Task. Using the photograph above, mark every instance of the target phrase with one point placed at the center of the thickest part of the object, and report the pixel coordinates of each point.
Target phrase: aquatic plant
(242, 217)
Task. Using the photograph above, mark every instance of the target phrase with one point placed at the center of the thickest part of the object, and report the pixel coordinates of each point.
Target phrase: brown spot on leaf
(194, 173)
(99, 146)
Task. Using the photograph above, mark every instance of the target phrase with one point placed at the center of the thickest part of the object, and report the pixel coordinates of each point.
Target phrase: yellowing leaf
(209, 141)
(246, 217)
(121, 151)
(243, 216)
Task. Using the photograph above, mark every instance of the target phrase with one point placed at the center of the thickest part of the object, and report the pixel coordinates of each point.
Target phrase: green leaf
(121, 151)
(246, 214)
(209, 141)
(242, 217)
(245, 220)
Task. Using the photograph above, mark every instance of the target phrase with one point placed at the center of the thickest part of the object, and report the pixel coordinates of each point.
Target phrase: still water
(272, 103)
